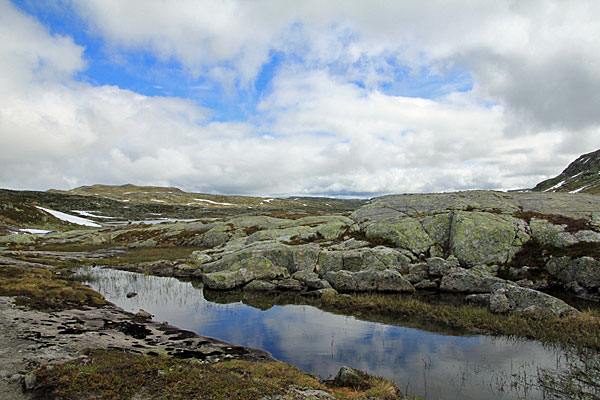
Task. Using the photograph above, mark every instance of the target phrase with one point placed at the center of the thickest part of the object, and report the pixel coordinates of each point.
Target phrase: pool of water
(424, 364)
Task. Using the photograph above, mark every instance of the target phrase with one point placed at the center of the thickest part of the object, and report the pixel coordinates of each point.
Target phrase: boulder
(369, 280)
(260, 286)
(199, 257)
(485, 238)
(215, 237)
(507, 298)
(244, 271)
(475, 280)
(585, 271)
(548, 234)
(311, 280)
(405, 233)
(352, 378)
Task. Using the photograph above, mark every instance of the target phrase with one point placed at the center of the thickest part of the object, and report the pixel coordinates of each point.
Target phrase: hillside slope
(581, 176)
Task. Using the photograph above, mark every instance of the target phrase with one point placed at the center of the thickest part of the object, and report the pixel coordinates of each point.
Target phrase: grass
(46, 290)
(581, 331)
(145, 254)
(114, 374)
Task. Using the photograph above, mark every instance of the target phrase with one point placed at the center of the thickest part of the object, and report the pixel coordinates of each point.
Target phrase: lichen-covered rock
(305, 258)
(506, 298)
(378, 258)
(585, 271)
(260, 286)
(438, 228)
(24, 239)
(587, 236)
(244, 271)
(216, 236)
(311, 280)
(199, 257)
(281, 235)
(548, 234)
(484, 238)
(369, 280)
(289, 284)
(437, 266)
(405, 233)
(475, 280)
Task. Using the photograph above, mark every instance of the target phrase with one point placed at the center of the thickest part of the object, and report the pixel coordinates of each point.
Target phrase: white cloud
(315, 132)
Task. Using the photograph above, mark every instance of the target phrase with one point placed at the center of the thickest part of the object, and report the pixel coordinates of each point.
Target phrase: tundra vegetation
(479, 261)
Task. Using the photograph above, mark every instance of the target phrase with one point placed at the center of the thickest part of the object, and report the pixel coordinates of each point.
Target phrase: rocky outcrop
(507, 298)
(369, 281)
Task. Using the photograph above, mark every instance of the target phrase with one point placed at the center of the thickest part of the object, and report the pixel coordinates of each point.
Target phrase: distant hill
(174, 196)
(581, 176)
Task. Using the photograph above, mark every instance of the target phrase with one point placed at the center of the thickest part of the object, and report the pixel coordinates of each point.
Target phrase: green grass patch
(113, 374)
(46, 290)
(145, 254)
(74, 247)
(582, 331)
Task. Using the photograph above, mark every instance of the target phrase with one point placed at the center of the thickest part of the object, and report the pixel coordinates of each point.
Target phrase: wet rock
(131, 294)
(289, 284)
(507, 298)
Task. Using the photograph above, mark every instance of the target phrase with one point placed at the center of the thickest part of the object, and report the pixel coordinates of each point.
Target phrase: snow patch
(158, 201)
(559, 184)
(580, 189)
(215, 202)
(70, 218)
(35, 231)
(90, 214)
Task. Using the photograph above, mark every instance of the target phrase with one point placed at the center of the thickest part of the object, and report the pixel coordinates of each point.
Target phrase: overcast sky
(278, 97)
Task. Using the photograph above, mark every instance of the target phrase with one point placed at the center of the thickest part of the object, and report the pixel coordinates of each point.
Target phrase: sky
(282, 97)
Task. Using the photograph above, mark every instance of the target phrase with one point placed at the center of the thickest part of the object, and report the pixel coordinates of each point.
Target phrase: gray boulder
(585, 271)
(244, 271)
(475, 280)
(507, 298)
(369, 280)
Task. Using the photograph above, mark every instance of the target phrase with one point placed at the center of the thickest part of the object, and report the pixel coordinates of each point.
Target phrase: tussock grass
(582, 331)
(43, 289)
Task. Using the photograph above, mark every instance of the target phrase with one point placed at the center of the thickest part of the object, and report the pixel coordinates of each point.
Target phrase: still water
(424, 364)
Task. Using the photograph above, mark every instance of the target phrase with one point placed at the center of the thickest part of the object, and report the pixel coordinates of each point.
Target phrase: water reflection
(425, 364)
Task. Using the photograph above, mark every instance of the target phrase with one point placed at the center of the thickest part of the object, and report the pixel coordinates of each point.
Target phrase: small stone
(30, 380)
(131, 294)
(144, 314)
(350, 377)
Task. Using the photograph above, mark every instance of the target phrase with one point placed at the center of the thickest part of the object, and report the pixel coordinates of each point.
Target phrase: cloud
(326, 122)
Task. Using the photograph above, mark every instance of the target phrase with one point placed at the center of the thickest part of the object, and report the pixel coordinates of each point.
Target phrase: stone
(507, 298)
(475, 280)
(480, 299)
(21, 238)
(405, 233)
(305, 258)
(311, 280)
(199, 257)
(143, 314)
(217, 236)
(485, 238)
(260, 286)
(131, 294)
(244, 271)
(369, 280)
(548, 234)
(425, 284)
(30, 380)
(352, 378)
(280, 235)
(587, 236)
(583, 270)
(437, 266)
(289, 284)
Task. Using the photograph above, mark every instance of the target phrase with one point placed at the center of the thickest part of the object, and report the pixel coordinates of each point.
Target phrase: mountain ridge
(580, 176)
